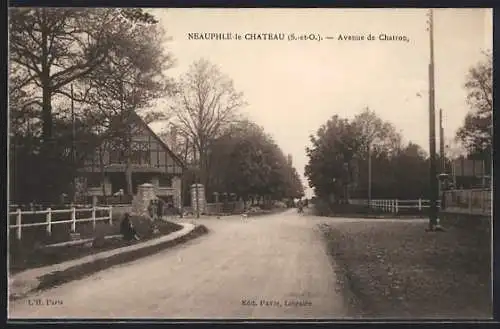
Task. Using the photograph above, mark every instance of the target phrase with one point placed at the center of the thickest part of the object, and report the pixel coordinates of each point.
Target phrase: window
(140, 153)
(93, 181)
(140, 157)
(116, 156)
(165, 181)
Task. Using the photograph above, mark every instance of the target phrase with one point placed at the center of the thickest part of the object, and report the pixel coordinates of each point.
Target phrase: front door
(139, 179)
(118, 182)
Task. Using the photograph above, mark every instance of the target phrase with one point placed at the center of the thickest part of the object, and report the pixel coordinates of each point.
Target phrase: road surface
(263, 267)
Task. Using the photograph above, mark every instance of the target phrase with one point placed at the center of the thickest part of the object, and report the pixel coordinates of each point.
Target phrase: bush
(322, 208)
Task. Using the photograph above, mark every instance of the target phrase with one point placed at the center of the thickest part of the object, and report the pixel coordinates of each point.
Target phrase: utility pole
(73, 137)
(196, 182)
(432, 132)
(370, 176)
(441, 142)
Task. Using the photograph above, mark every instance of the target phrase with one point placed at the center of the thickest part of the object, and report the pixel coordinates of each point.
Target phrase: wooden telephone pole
(73, 138)
(370, 176)
(442, 156)
(432, 132)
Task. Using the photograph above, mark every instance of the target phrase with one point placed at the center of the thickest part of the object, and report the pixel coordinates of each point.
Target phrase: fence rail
(394, 205)
(40, 207)
(49, 222)
(472, 201)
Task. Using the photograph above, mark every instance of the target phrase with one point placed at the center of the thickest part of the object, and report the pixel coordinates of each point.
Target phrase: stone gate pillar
(201, 198)
(145, 194)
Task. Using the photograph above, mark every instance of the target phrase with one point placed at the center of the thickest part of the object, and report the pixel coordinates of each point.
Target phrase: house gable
(144, 130)
(149, 153)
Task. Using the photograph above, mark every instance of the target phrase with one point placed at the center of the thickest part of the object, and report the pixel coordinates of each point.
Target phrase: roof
(159, 140)
(139, 120)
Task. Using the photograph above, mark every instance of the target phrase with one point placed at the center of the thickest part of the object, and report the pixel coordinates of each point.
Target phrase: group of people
(155, 211)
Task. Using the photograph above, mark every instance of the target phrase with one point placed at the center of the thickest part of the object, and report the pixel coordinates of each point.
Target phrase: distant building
(152, 162)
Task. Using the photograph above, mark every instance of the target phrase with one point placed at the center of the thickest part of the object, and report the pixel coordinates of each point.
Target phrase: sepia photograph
(250, 164)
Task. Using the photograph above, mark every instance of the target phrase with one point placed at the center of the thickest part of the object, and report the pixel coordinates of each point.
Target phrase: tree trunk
(45, 82)
(46, 113)
(128, 176)
(128, 156)
(103, 174)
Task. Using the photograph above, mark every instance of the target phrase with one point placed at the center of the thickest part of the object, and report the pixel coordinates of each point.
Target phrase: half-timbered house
(151, 161)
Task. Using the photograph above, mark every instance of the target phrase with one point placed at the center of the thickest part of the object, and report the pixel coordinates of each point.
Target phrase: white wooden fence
(394, 205)
(48, 218)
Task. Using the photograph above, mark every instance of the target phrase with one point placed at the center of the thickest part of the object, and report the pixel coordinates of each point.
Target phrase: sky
(293, 87)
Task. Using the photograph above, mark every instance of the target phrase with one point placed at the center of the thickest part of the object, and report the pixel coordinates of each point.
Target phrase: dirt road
(264, 267)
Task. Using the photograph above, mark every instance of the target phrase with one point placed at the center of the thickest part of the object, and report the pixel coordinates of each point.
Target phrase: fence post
(93, 217)
(73, 219)
(49, 221)
(110, 215)
(18, 223)
(419, 204)
(397, 206)
(470, 201)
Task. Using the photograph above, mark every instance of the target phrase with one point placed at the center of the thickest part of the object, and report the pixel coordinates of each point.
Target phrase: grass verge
(80, 271)
(24, 256)
(397, 270)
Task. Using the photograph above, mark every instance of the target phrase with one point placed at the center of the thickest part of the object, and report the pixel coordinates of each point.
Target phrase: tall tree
(126, 84)
(338, 157)
(333, 147)
(476, 134)
(206, 103)
(53, 48)
(376, 133)
(378, 142)
(249, 163)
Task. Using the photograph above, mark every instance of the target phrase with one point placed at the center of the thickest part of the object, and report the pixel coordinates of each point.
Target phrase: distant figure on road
(300, 206)
(127, 229)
